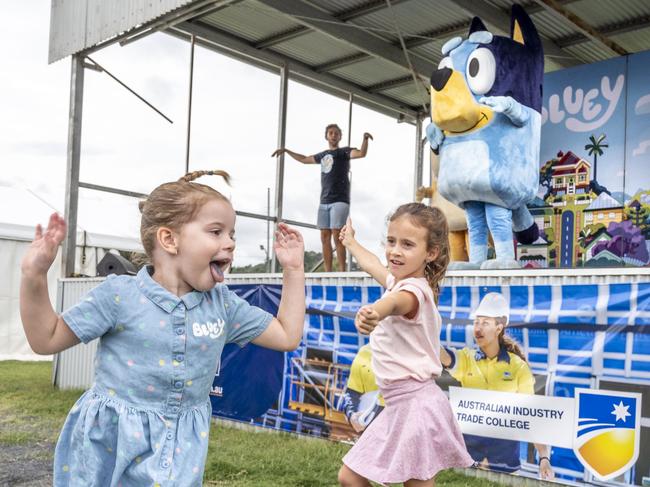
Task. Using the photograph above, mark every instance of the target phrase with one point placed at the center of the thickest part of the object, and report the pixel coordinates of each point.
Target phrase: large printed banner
(579, 340)
(602, 427)
(593, 203)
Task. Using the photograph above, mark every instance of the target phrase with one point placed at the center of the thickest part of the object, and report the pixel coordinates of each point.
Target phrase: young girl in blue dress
(145, 420)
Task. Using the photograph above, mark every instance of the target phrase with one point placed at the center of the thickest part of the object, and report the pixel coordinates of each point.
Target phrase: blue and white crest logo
(607, 431)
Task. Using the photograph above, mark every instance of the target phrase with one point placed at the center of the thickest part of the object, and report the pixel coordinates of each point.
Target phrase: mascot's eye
(481, 71)
(445, 63)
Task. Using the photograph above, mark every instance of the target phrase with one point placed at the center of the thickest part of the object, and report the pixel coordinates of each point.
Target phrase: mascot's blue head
(486, 65)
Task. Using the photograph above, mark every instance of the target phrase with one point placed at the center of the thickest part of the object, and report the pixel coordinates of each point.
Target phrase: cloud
(642, 106)
(642, 148)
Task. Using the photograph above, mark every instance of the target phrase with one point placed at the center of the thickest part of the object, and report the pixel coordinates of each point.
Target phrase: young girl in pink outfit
(416, 435)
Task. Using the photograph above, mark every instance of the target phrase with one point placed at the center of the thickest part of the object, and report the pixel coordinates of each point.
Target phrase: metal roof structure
(371, 48)
(375, 53)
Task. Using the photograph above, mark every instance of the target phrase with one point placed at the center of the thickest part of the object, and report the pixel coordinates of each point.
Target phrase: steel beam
(72, 165)
(417, 177)
(167, 21)
(329, 25)
(238, 48)
(282, 133)
(500, 20)
(189, 106)
(359, 11)
(610, 30)
(558, 11)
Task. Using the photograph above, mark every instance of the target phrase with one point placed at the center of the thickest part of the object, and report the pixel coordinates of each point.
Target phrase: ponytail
(509, 343)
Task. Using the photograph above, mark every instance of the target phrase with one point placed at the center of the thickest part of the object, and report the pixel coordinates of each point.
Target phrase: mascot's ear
(522, 29)
(476, 25)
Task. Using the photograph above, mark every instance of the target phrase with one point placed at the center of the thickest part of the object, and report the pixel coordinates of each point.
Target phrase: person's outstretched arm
(359, 153)
(296, 156)
(368, 261)
(285, 331)
(402, 303)
(45, 330)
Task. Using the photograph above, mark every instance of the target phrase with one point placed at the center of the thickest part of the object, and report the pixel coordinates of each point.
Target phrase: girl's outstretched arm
(402, 303)
(46, 331)
(285, 331)
(368, 261)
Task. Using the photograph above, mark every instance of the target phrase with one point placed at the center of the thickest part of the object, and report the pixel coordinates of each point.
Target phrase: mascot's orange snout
(453, 107)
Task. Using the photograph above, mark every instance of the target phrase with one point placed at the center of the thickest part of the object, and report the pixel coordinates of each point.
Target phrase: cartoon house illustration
(600, 236)
(569, 197)
(603, 209)
(571, 175)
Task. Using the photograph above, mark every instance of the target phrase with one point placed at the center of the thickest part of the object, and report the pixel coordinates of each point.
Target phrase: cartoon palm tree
(595, 148)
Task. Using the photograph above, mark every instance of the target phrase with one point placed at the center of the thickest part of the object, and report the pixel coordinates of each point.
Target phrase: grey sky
(234, 127)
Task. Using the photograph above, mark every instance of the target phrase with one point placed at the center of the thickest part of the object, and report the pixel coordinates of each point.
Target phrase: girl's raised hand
(346, 235)
(366, 320)
(42, 251)
(289, 247)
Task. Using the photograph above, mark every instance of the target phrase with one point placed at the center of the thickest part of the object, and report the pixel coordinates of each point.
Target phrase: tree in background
(627, 242)
(545, 178)
(639, 215)
(595, 148)
(311, 259)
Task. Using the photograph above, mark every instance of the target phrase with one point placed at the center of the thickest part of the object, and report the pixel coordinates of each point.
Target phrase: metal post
(348, 263)
(350, 102)
(267, 264)
(189, 106)
(72, 167)
(282, 129)
(417, 177)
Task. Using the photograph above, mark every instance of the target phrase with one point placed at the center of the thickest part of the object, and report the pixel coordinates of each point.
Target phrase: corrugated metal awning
(353, 46)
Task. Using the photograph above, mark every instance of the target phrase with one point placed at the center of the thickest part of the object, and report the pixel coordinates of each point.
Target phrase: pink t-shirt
(405, 348)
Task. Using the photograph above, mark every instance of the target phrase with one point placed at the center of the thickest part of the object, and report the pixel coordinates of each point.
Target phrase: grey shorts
(333, 215)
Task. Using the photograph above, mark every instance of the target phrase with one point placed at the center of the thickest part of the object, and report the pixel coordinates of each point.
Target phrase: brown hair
(509, 343)
(174, 204)
(333, 126)
(434, 221)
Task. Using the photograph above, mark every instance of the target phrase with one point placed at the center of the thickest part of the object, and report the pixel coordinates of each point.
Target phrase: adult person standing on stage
(334, 207)
(498, 364)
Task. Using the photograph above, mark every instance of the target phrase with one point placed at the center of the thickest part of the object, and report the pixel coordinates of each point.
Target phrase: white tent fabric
(20, 211)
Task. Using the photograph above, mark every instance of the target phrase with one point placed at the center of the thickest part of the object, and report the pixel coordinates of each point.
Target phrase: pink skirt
(414, 437)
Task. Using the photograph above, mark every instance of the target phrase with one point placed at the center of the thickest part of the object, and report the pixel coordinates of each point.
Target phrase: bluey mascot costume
(486, 98)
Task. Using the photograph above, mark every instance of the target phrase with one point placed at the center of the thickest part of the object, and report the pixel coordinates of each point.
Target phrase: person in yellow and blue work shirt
(362, 401)
(498, 364)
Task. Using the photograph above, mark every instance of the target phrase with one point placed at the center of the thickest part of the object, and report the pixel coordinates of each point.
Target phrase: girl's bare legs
(349, 478)
(419, 483)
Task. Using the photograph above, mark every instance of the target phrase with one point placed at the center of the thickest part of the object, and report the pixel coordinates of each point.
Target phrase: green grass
(32, 413)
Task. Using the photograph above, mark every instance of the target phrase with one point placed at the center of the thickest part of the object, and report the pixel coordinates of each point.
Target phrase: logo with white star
(607, 431)
(620, 411)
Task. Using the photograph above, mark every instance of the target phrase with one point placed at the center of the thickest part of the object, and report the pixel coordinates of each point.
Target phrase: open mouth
(218, 267)
(481, 118)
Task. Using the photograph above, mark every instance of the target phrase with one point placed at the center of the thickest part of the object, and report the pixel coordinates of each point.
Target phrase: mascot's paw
(500, 264)
(434, 136)
(463, 266)
(528, 236)
(499, 104)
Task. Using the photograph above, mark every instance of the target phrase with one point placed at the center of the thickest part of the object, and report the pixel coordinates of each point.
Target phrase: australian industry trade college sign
(505, 409)
(602, 427)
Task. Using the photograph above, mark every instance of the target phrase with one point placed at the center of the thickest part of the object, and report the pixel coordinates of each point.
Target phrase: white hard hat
(493, 305)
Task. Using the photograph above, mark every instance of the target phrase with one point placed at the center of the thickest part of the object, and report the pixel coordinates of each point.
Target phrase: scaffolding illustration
(316, 389)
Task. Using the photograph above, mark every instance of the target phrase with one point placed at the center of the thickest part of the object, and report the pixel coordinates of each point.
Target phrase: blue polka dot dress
(146, 419)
